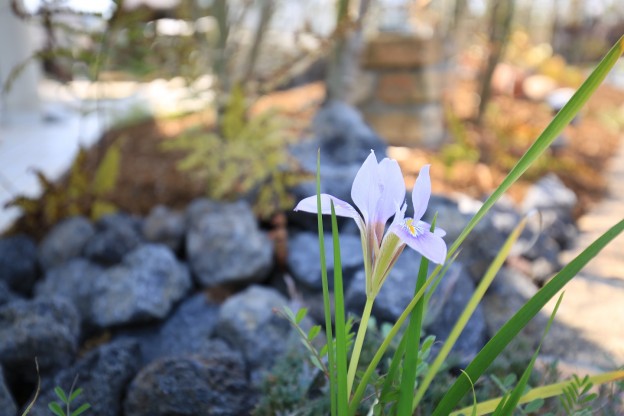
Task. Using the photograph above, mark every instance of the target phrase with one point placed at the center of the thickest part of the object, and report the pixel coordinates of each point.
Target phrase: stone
(187, 331)
(555, 203)
(74, 280)
(103, 373)
(191, 385)
(18, 263)
(6, 294)
(115, 236)
(165, 226)
(144, 287)
(225, 246)
(65, 241)
(304, 258)
(343, 135)
(7, 404)
(446, 306)
(248, 320)
(48, 329)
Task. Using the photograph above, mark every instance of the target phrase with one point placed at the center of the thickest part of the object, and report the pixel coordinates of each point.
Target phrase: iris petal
(393, 192)
(365, 191)
(342, 208)
(426, 243)
(421, 193)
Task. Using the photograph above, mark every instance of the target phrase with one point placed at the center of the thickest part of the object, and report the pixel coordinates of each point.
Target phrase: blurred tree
(501, 14)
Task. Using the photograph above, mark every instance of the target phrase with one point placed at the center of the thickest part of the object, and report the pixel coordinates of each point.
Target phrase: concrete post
(16, 46)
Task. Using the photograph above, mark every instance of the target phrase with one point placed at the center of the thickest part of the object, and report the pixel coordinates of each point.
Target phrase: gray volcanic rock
(65, 241)
(103, 374)
(191, 385)
(224, 245)
(18, 263)
(144, 287)
(304, 258)
(115, 236)
(165, 226)
(44, 328)
(187, 331)
(74, 280)
(445, 306)
(248, 320)
(7, 404)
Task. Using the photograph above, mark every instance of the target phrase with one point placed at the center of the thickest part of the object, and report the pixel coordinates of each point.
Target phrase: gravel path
(589, 329)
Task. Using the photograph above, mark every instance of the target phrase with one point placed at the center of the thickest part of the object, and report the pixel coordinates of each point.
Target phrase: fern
(66, 399)
(83, 192)
(577, 399)
(248, 158)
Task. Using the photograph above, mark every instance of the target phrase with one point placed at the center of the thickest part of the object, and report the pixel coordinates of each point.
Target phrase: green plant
(378, 195)
(247, 158)
(67, 399)
(82, 192)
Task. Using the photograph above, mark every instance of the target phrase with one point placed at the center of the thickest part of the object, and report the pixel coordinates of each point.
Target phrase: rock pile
(174, 313)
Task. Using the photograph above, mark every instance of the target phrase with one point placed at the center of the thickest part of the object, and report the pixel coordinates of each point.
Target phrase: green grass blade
(543, 392)
(514, 398)
(339, 317)
(511, 329)
(472, 304)
(412, 342)
(393, 373)
(549, 134)
(326, 297)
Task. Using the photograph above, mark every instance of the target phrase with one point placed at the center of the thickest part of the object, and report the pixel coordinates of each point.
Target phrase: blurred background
(463, 84)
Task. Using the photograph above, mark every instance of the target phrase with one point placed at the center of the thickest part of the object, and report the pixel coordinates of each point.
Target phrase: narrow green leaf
(544, 392)
(61, 394)
(81, 409)
(511, 329)
(326, 297)
(313, 332)
(75, 394)
(56, 409)
(471, 306)
(556, 126)
(301, 313)
(339, 318)
(517, 392)
(412, 342)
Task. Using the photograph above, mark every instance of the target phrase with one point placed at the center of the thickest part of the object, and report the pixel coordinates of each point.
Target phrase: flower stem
(359, 340)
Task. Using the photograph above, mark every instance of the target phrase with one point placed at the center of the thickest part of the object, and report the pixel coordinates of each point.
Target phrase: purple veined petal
(421, 193)
(342, 208)
(426, 226)
(365, 191)
(426, 243)
(393, 190)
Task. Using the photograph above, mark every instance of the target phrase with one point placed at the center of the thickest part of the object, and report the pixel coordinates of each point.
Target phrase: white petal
(421, 193)
(393, 190)
(426, 243)
(365, 191)
(342, 208)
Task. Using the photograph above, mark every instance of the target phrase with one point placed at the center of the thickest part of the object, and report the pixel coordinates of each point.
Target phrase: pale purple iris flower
(378, 192)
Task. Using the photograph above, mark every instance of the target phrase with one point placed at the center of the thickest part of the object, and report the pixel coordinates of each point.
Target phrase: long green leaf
(543, 392)
(412, 343)
(511, 329)
(562, 119)
(339, 316)
(517, 392)
(326, 298)
(469, 309)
